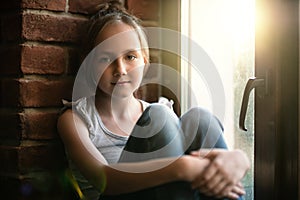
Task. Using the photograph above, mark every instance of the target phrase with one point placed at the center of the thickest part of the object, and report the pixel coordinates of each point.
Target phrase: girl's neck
(119, 115)
(117, 107)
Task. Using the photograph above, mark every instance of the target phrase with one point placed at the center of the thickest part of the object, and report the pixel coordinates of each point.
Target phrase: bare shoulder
(66, 114)
(69, 124)
(75, 136)
(66, 119)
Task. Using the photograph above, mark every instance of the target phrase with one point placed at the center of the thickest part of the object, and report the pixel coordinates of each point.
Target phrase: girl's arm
(117, 179)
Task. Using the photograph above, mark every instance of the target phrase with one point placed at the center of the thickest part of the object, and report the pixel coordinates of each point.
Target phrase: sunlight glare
(239, 20)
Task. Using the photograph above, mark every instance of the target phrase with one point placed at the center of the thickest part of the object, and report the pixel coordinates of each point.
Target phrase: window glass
(224, 29)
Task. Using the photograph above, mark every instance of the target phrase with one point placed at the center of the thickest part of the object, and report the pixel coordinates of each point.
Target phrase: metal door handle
(251, 84)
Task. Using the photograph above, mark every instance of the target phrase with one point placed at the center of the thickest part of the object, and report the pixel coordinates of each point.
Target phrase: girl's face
(119, 60)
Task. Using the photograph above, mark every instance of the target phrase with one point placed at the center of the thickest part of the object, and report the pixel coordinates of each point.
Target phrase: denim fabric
(160, 133)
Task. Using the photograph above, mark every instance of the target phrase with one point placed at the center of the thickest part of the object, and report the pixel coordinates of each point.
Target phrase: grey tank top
(109, 144)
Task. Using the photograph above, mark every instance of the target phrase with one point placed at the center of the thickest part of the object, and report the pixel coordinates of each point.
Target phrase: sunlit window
(224, 29)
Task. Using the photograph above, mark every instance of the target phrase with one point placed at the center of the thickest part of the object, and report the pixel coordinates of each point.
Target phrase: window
(224, 29)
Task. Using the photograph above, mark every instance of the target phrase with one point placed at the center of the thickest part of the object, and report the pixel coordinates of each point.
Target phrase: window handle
(251, 84)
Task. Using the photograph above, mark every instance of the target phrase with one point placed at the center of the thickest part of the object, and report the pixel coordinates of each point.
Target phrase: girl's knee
(157, 113)
(202, 129)
(157, 134)
(201, 118)
(198, 114)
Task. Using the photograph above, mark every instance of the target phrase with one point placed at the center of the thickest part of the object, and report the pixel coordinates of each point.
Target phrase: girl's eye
(131, 57)
(104, 60)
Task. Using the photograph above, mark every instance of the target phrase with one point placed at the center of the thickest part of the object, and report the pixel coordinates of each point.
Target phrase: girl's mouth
(120, 82)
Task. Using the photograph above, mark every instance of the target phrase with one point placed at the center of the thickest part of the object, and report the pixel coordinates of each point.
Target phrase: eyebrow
(121, 53)
(131, 50)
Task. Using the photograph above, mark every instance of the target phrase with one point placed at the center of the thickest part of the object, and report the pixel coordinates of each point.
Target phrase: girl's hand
(231, 192)
(189, 167)
(221, 177)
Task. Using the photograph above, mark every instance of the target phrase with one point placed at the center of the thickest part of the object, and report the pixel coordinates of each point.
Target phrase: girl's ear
(147, 63)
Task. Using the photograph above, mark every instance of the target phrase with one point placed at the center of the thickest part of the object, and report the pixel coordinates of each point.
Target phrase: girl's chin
(121, 94)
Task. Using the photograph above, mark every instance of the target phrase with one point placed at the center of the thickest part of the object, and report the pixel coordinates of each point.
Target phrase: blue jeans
(160, 133)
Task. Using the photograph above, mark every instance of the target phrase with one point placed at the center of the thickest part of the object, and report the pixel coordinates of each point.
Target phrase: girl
(121, 147)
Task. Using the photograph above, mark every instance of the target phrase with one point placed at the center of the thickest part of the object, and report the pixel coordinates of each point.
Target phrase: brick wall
(38, 50)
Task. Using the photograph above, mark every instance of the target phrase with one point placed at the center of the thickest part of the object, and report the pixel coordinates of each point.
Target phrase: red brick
(144, 9)
(44, 92)
(11, 124)
(40, 124)
(10, 27)
(55, 5)
(10, 57)
(9, 91)
(43, 59)
(84, 6)
(29, 92)
(52, 28)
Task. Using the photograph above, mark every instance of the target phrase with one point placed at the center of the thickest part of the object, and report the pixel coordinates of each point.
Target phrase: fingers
(221, 177)
(220, 187)
(216, 187)
(229, 191)
(231, 195)
(206, 177)
(238, 190)
(214, 181)
(195, 153)
(207, 180)
(214, 190)
(233, 192)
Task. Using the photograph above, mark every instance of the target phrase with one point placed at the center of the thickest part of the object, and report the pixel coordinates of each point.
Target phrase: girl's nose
(120, 68)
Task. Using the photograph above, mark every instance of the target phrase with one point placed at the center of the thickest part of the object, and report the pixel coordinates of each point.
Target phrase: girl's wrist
(180, 166)
(188, 167)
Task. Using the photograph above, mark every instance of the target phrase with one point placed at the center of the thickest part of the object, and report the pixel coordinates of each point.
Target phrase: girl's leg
(201, 129)
(157, 134)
